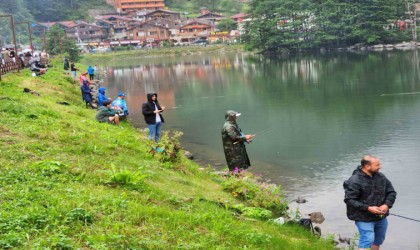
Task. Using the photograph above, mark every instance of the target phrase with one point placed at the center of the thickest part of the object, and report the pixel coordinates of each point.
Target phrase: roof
(161, 10)
(195, 22)
(68, 24)
(211, 14)
(239, 15)
(115, 16)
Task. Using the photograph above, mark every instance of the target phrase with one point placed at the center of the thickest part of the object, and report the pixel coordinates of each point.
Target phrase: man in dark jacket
(234, 142)
(369, 195)
(152, 116)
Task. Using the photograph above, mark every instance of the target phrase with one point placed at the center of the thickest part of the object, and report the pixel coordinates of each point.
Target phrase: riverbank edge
(62, 156)
(162, 52)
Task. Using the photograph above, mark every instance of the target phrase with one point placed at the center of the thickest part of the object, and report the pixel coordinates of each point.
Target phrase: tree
(59, 43)
(226, 24)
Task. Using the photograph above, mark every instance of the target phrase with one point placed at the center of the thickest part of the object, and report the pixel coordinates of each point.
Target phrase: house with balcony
(193, 30)
(211, 17)
(163, 14)
(86, 33)
(115, 25)
(149, 33)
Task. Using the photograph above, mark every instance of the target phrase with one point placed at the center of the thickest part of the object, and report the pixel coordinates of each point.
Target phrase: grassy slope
(55, 164)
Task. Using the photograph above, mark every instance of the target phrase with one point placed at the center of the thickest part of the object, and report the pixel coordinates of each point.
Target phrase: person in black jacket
(369, 195)
(152, 116)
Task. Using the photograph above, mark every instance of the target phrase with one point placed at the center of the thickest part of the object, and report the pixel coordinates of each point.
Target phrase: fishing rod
(404, 217)
(264, 131)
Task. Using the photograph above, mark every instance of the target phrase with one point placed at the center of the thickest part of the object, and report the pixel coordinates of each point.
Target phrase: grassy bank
(173, 51)
(69, 182)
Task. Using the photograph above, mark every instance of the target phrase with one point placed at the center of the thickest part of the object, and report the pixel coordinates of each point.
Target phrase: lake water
(315, 116)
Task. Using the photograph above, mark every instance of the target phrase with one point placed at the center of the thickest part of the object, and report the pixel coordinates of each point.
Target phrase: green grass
(157, 52)
(69, 182)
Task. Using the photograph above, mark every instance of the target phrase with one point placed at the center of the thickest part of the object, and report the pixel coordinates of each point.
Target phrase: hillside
(69, 182)
(58, 10)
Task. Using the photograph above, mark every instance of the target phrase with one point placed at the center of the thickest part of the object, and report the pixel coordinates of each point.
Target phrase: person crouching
(107, 114)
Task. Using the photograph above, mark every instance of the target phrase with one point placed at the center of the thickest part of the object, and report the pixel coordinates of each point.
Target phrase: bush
(251, 189)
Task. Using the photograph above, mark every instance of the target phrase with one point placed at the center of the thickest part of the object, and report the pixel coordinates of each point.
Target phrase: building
(115, 25)
(164, 14)
(86, 33)
(149, 33)
(136, 5)
(193, 30)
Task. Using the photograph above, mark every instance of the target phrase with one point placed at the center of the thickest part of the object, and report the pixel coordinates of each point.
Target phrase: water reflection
(327, 112)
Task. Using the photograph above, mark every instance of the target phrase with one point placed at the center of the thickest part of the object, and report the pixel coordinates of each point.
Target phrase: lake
(315, 116)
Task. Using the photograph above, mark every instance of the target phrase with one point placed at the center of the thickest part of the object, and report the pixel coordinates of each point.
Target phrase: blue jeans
(154, 131)
(371, 232)
(74, 74)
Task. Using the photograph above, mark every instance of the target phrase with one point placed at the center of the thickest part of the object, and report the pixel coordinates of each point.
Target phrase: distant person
(369, 195)
(107, 114)
(12, 55)
(73, 69)
(83, 78)
(91, 72)
(87, 94)
(102, 97)
(37, 67)
(5, 55)
(234, 142)
(66, 65)
(121, 104)
(152, 116)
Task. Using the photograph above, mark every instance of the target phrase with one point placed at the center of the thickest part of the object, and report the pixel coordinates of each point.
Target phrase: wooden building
(129, 5)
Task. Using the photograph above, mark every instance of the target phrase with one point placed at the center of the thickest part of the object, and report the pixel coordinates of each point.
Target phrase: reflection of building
(130, 5)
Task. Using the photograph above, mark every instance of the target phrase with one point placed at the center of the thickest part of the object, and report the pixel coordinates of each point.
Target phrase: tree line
(294, 25)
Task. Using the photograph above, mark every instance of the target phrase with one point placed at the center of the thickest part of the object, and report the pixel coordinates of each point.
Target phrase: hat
(121, 93)
(232, 113)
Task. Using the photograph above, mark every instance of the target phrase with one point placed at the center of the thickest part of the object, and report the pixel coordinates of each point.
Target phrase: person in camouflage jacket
(234, 142)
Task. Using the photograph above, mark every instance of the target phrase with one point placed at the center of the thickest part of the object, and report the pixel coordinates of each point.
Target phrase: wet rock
(189, 155)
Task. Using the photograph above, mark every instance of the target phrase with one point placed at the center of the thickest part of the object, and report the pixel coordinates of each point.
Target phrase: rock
(189, 155)
(317, 217)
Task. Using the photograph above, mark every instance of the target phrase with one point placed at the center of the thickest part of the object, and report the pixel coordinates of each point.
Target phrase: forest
(294, 25)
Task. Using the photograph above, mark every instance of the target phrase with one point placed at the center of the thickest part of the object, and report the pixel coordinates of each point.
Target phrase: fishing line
(404, 217)
(264, 131)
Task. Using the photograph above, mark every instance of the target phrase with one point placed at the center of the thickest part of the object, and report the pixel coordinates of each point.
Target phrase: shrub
(251, 189)
(127, 178)
(168, 148)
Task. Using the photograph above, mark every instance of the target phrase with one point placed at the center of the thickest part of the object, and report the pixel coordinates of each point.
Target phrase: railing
(10, 66)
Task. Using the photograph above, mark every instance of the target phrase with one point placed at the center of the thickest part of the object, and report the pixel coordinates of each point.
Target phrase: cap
(121, 93)
(232, 113)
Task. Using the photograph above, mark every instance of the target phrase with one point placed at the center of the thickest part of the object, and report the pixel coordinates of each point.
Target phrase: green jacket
(103, 114)
(234, 143)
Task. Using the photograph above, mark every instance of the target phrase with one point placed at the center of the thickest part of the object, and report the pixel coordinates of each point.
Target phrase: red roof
(239, 15)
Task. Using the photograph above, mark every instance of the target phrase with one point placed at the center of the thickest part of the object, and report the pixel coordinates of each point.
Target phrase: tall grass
(69, 182)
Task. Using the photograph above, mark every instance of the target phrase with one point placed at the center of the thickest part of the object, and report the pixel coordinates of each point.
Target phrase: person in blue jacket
(120, 103)
(91, 72)
(101, 96)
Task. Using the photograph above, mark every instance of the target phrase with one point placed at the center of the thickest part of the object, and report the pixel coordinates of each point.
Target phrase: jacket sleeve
(352, 194)
(234, 135)
(391, 195)
(146, 110)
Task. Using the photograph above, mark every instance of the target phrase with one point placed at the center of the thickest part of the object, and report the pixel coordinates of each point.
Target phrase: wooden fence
(10, 66)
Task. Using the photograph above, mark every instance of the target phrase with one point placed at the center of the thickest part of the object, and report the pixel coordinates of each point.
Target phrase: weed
(127, 178)
(79, 214)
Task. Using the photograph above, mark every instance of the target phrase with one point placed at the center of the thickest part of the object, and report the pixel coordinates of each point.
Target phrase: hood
(102, 90)
(90, 66)
(231, 115)
(149, 96)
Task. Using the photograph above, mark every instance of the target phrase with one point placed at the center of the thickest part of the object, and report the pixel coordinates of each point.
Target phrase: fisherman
(234, 142)
(369, 195)
(152, 116)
